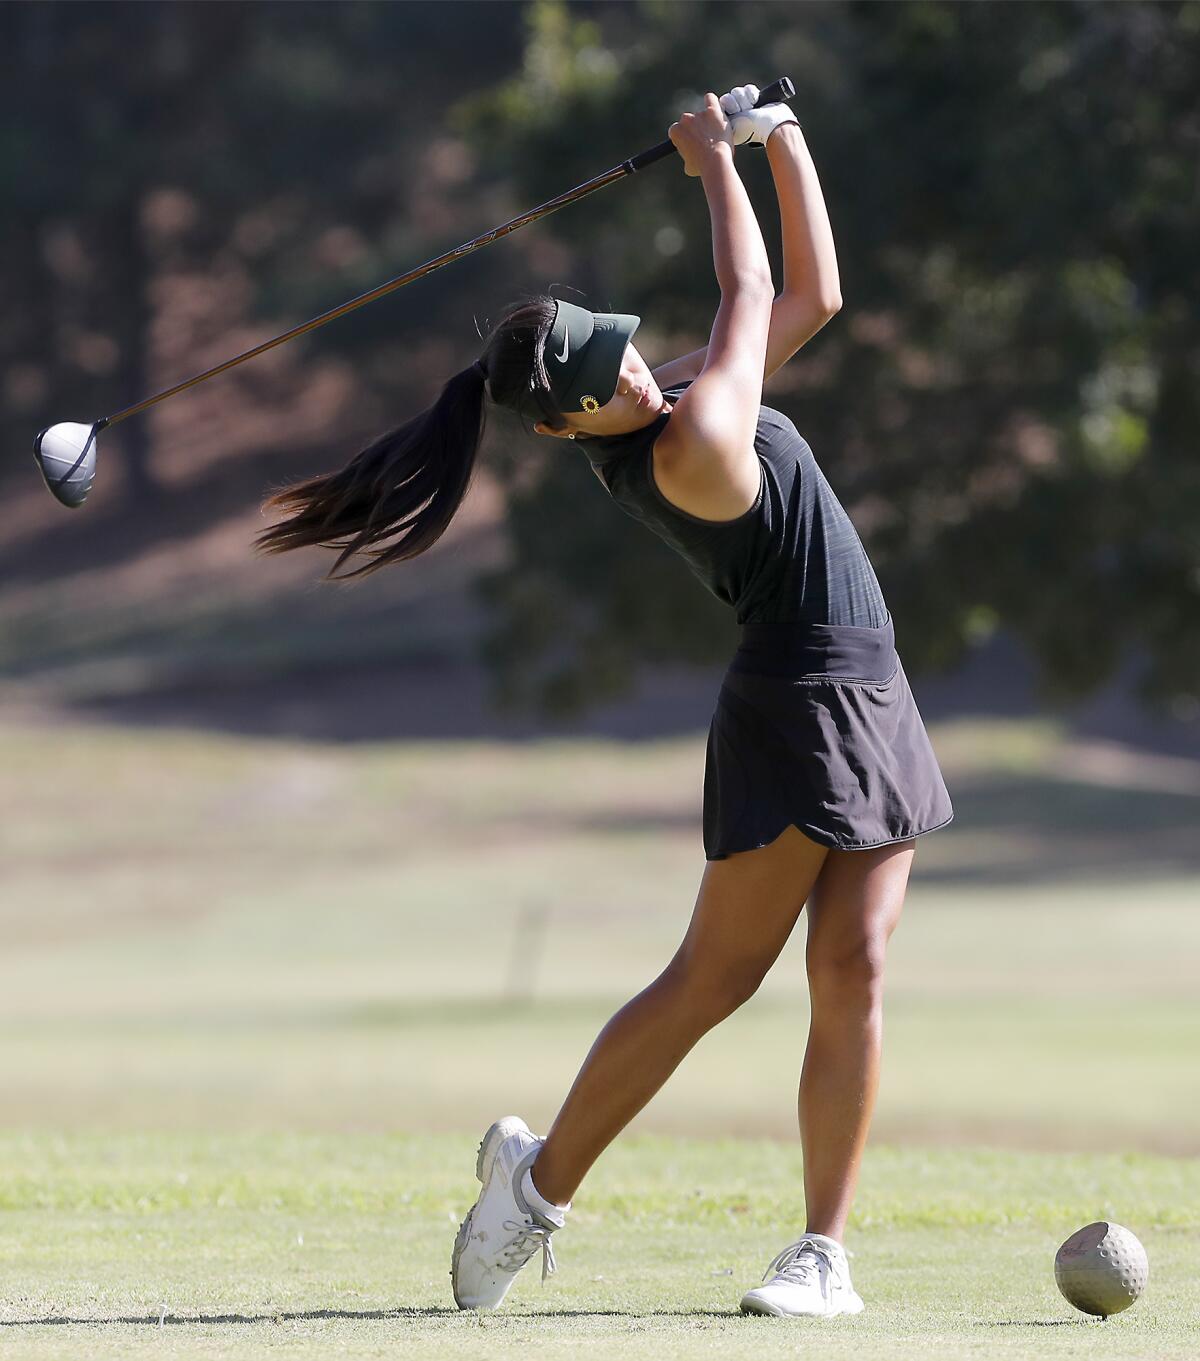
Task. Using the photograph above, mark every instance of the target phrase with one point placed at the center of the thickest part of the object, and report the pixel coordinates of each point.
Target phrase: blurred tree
(297, 146)
(1007, 402)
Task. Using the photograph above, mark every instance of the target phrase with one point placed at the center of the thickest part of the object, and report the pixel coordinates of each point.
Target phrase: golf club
(66, 453)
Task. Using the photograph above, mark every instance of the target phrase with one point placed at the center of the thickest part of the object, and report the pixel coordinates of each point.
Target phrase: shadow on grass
(401, 1313)
(423, 696)
(1045, 829)
(1029, 1322)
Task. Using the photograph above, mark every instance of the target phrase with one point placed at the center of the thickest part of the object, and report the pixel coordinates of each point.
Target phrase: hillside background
(1006, 402)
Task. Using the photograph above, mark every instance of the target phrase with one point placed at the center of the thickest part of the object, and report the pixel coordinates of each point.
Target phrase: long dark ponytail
(412, 480)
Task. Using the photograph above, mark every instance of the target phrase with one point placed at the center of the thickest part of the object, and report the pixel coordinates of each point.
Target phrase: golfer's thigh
(747, 906)
(855, 906)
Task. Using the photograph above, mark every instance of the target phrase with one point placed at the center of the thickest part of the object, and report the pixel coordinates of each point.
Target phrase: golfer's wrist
(718, 155)
(785, 134)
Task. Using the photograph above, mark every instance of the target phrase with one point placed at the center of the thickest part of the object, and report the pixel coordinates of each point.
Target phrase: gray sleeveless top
(794, 555)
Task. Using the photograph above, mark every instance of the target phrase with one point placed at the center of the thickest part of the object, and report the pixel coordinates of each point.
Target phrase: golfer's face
(635, 403)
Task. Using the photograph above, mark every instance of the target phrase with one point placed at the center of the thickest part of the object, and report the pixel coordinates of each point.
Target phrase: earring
(571, 435)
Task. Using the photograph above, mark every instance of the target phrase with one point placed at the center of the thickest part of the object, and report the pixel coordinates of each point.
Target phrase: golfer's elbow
(750, 284)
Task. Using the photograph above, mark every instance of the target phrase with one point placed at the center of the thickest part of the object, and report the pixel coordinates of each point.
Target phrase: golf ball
(1101, 1269)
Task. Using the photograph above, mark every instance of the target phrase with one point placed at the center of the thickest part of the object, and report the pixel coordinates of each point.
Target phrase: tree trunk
(133, 335)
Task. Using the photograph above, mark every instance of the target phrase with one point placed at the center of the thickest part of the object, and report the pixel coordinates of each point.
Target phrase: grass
(222, 933)
(303, 1245)
(992, 1071)
(259, 998)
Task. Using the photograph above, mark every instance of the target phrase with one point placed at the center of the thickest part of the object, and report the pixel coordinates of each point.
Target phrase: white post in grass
(528, 947)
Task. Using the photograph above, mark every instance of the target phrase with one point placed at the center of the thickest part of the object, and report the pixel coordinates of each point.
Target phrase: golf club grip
(775, 93)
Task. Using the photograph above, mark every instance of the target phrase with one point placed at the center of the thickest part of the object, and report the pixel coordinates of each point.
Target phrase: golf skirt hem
(815, 727)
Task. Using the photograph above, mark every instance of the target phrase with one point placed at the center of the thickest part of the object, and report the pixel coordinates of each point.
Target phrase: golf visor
(583, 354)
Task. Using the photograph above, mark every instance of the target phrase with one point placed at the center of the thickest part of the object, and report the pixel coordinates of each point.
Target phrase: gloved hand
(749, 124)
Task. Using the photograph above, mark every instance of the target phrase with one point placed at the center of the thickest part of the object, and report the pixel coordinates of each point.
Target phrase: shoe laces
(799, 1262)
(528, 1236)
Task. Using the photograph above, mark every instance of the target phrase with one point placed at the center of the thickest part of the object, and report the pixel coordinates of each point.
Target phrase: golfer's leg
(745, 911)
(852, 911)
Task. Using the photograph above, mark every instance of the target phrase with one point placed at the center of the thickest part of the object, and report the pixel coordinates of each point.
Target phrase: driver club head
(66, 455)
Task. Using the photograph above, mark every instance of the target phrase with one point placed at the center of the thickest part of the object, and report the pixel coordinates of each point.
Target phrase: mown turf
(311, 1246)
(366, 946)
(225, 934)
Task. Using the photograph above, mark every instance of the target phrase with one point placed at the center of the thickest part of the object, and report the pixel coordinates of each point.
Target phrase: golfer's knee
(849, 975)
(712, 991)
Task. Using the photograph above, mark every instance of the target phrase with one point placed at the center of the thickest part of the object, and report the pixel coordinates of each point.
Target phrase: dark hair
(414, 478)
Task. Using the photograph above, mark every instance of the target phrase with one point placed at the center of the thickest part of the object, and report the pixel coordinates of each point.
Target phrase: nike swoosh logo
(562, 358)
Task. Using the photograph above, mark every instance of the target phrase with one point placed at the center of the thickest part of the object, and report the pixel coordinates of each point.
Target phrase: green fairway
(251, 935)
(311, 1246)
(260, 999)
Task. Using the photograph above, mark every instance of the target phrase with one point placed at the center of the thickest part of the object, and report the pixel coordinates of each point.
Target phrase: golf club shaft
(779, 90)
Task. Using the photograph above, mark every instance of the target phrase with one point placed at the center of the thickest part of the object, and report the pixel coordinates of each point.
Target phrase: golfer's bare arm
(704, 460)
(811, 292)
(794, 322)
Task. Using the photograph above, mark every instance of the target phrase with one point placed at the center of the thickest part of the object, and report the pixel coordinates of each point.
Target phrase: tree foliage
(1008, 401)
(295, 145)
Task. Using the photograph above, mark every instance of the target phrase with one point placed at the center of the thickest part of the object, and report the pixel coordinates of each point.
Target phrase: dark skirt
(815, 727)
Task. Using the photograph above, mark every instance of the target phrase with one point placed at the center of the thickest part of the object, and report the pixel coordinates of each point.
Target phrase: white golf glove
(749, 124)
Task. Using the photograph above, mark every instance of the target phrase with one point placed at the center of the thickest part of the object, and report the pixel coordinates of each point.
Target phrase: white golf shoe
(812, 1280)
(509, 1221)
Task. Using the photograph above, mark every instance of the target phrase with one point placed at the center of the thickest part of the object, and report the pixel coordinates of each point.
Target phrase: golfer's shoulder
(699, 470)
(712, 418)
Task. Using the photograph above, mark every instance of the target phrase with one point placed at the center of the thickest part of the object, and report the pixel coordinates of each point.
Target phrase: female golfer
(818, 774)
